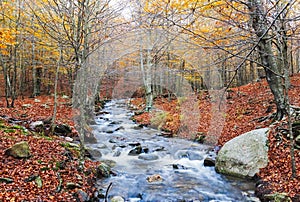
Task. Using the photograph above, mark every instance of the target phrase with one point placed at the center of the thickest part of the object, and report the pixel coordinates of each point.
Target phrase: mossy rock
(278, 197)
(19, 150)
(103, 170)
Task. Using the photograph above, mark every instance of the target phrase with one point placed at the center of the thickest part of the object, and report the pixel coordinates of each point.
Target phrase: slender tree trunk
(297, 57)
(22, 75)
(148, 75)
(35, 91)
(6, 80)
(14, 78)
(252, 70)
(292, 141)
(55, 88)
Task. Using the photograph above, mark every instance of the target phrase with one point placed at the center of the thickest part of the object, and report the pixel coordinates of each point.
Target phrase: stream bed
(150, 167)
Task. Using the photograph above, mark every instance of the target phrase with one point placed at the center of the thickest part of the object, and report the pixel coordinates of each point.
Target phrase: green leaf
(39, 182)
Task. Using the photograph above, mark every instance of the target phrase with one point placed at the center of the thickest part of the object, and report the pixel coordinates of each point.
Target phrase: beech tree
(262, 28)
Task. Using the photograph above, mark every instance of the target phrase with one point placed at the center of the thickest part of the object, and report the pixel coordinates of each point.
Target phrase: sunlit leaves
(7, 30)
(6, 39)
(210, 23)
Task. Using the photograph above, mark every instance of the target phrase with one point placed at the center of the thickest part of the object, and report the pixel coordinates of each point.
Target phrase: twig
(107, 190)
(59, 187)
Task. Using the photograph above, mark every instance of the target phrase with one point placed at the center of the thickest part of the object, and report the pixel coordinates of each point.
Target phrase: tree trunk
(274, 79)
(6, 80)
(148, 75)
(55, 88)
(297, 57)
(35, 73)
(14, 78)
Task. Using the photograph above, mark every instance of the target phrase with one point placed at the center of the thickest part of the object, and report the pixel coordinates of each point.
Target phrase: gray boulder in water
(244, 155)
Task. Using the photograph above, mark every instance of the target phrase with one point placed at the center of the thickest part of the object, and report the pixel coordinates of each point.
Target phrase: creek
(150, 167)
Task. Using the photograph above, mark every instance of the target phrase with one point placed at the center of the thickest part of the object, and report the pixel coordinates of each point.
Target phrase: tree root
(264, 118)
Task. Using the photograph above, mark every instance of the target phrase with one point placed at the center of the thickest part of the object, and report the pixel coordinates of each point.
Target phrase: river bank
(248, 107)
(51, 172)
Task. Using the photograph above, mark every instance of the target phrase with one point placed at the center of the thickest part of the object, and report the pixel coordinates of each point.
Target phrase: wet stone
(117, 199)
(138, 127)
(154, 178)
(119, 128)
(117, 153)
(178, 166)
(101, 146)
(101, 113)
(122, 145)
(113, 123)
(209, 162)
(159, 149)
(191, 155)
(148, 157)
(145, 150)
(103, 170)
(134, 144)
(136, 151)
(113, 140)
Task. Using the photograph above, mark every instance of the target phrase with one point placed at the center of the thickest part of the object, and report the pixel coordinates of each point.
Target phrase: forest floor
(245, 109)
(52, 159)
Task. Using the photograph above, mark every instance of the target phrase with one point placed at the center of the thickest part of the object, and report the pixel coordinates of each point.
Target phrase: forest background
(91, 50)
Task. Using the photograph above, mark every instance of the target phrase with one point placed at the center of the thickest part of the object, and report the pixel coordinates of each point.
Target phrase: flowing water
(150, 167)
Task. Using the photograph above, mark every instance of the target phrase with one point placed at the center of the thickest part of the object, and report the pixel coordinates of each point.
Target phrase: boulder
(244, 155)
(19, 150)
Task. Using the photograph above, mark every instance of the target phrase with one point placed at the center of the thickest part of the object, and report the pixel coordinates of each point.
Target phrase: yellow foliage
(7, 38)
